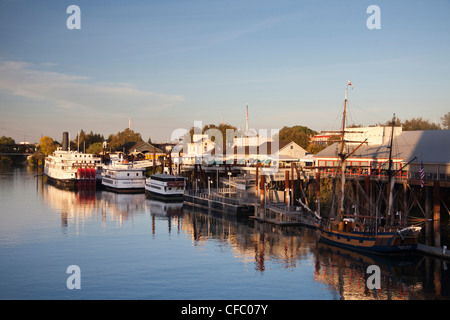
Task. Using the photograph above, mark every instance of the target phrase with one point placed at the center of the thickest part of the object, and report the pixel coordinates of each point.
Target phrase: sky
(166, 64)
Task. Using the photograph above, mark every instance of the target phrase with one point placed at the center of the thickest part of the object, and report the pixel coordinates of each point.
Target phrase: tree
(419, 124)
(7, 140)
(47, 145)
(446, 121)
(95, 148)
(223, 127)
(299, 134)
(84, 141)
(118, 140)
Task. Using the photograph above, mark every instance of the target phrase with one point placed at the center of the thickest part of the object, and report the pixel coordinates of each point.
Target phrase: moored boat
(368, 233)
(72, 169)
(123, 177)
(165, 187)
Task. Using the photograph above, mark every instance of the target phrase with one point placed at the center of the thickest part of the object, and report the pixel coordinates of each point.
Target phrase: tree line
(93, 142)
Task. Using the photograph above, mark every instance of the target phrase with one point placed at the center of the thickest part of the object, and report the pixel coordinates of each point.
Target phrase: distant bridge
(16, 149)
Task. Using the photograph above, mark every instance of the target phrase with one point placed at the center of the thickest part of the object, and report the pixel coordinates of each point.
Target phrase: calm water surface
(130, 247)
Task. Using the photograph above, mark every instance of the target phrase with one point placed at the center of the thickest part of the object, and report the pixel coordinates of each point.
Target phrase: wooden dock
(441, 252)
(283, 215)
(218, 203)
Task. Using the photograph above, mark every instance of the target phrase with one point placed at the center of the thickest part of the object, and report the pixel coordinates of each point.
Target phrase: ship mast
(342, 156)
(391, 180)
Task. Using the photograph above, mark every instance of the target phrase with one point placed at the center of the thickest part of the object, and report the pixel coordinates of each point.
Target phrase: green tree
(47, 145)
(118, 140)
(84, 141)
(299, 134)
(419, 124)
(95, 148)
(7, 140)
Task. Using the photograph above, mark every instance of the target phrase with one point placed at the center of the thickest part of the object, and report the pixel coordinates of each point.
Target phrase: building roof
(267, 147)
(142, 147)
(429, 146)
(263, 149)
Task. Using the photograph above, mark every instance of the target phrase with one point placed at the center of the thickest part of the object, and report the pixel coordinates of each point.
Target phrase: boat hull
(71, 184)
(175, 197)
(123, 190)
(124, 186)
(385, 242)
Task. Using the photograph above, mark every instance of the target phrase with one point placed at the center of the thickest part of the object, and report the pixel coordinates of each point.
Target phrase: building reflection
(78, 207)
(342, 272)
(253, 243)
(170, 211)
(260, 246)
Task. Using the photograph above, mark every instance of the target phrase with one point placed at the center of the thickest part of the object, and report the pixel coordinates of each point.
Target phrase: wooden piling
(154, 160)
(292, 186)
(262, 198)
(257, 178)
(436, 214)
(286, 187)
(428, 226)
(318, 191)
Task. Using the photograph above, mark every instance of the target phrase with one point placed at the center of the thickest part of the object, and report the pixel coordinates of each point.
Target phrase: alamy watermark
(74, 20)
(213, 147)
(74, 280)
(374, 280)
(374, 20)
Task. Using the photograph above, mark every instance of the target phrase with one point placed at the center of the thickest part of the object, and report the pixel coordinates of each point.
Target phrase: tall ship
(121, 176)
(165, 187)
(375, 233)
(72, 169)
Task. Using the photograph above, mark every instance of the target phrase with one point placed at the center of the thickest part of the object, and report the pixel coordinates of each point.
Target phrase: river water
(130, 247)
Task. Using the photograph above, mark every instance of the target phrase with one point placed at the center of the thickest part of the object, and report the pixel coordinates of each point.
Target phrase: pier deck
(441, 252)
(282, 215)
(218, 203)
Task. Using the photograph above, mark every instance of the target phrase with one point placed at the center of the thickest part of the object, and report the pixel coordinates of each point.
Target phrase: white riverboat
(123, 177)
(165, 187)
(72, 169)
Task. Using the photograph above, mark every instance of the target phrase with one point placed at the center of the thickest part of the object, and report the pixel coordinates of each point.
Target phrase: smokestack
(65, 141)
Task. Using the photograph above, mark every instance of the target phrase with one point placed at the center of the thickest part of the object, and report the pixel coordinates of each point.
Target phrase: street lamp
(229, 183)
(209, 186)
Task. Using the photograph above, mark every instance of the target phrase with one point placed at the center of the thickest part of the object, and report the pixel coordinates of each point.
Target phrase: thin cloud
(77, 93)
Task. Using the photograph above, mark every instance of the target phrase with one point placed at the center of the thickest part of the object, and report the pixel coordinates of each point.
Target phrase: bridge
(16, 149)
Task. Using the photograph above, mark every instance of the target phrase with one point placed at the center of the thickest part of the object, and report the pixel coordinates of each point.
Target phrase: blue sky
(169, 63)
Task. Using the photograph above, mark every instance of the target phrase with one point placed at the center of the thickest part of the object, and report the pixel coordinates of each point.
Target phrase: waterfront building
(428, 148)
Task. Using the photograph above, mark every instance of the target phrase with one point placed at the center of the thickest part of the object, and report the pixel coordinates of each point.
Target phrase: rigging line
(410, 148)
(350, 116)
(385, 120)
(336, 121)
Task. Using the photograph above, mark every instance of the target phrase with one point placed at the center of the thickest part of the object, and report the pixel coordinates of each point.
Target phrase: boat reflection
(403, 277)
(170, 211)
(77, 207)
(261, 247)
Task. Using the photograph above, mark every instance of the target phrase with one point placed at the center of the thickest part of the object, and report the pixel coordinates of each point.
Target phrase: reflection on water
(402, 277)
(259, 249)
